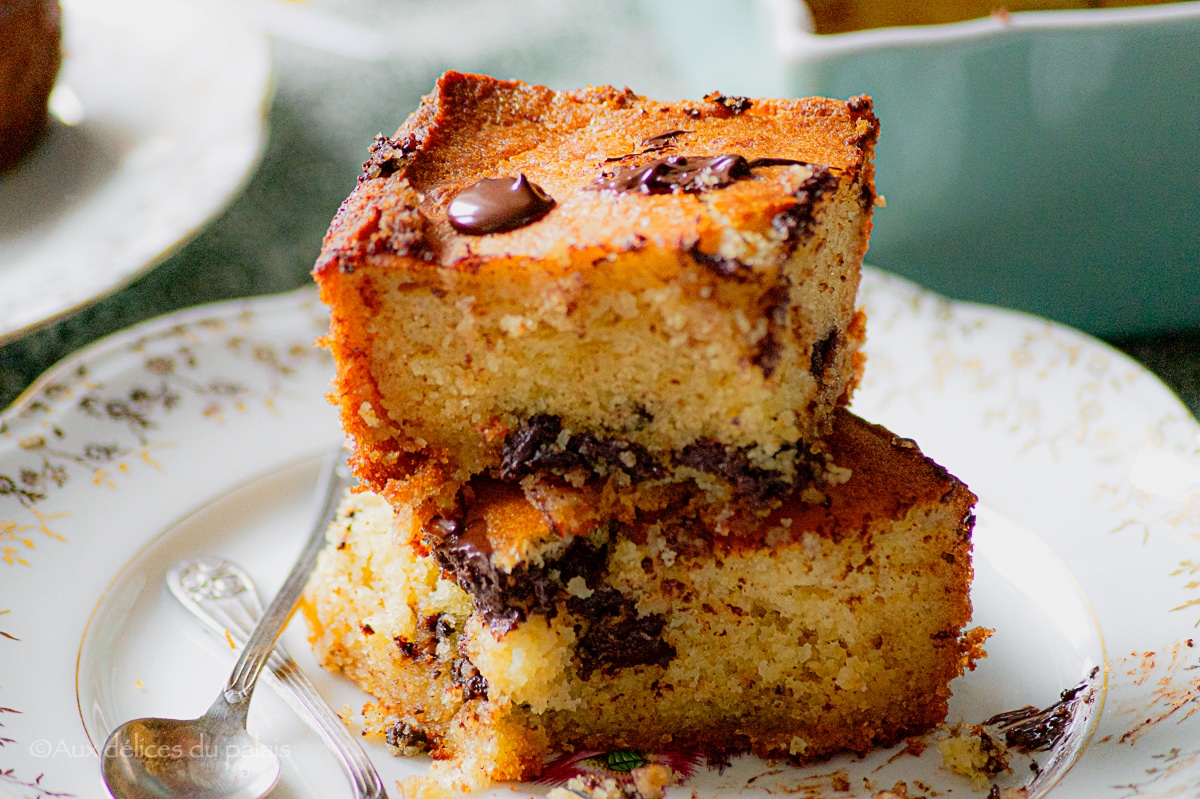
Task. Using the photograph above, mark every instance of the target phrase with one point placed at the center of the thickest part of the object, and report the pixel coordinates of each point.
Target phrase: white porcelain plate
(200, 433)
(165, 101)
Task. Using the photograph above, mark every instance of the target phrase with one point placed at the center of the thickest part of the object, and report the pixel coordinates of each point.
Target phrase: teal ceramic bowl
(1048, 161)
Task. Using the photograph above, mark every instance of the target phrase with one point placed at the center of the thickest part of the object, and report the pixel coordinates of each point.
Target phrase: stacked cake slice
(593, 353)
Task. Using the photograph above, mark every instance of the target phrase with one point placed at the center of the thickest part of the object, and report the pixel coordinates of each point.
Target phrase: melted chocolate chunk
(407, 738)
(463, 673)
(713, 457)
(530, 447)
(387, 157)
(685, 173)
(505, 599)
(652, 144)
(995, 762)
(721, 266)
(616, 636)
(1030, 729)
(496, 205)
(734, 105)
(774, 304)
(535, 446)
(677, 173)
(796, 222)
(822, 354)
(462, 548)
(661, 140)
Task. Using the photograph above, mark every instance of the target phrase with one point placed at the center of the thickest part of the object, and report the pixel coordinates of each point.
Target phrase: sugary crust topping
(473, 127)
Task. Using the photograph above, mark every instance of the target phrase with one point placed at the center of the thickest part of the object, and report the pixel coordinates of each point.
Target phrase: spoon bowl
(207, 757)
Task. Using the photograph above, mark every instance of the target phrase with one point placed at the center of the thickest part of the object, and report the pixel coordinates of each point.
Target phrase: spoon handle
(222, 595)
(335, 478)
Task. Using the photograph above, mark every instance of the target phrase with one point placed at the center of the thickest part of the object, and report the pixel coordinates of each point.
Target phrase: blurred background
(342, 71)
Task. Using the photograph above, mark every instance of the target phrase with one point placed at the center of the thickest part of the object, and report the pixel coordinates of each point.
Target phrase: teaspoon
(214, 757)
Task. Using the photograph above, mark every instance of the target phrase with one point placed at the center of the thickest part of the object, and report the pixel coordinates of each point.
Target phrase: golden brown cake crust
(474, 126)
(874, 455)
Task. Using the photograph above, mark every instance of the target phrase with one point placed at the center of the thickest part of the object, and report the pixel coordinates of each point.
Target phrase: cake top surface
(582, 149)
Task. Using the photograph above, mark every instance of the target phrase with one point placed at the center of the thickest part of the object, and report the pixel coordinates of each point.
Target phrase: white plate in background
(167, 102)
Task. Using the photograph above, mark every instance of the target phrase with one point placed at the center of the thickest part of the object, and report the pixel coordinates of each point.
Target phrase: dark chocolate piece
(796, 222)
(531, 447)
(1030, 729)
(496, 205)
(463, 673)
(461, 547)
(734, 105)
(677, 173)
(661, 140)
(859, 106)
(615, 636)
(407, 648)
(505, 599)
(686, 173)
(652, 144)
(407, 738)
(720, 265)
(535, 446)
(387, 157)
(822, 354)
(713, 457)
(774, 304)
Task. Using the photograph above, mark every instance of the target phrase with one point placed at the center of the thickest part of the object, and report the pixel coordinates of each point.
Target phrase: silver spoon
(222, 595)
(213, 757)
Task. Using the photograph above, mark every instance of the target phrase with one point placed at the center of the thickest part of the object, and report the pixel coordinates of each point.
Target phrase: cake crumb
(367, 413)
(1008, 793)
(897, 791)
(577, 587)
(588, 786)
(837, 475)
(424, 788)
(812, 496)
(971, 752)
(651, 779)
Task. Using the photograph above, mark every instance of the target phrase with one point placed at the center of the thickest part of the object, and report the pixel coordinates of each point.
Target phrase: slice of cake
(593, 282)
(496, 628)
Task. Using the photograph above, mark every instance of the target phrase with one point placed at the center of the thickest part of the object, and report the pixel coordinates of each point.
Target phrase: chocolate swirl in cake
(496, 205)
(535, 446)
(614, 634)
